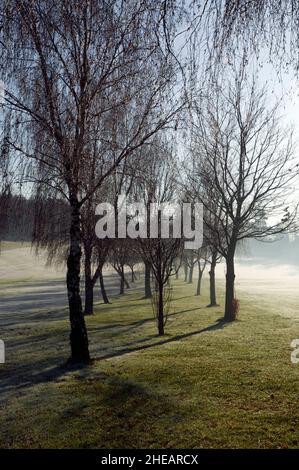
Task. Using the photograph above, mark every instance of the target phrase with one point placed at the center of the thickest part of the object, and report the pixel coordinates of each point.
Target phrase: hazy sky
(280, 85)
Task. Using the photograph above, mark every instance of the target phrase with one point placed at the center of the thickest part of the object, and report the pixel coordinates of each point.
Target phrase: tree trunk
(133, 277)
(88, 297)
(230, 314)
(191, 268)
(186, 271)
(147, 280)
(103, 290)
(88, 310)
(122, 284)
(125, 281)
(213, 300)
(78, 334)
(198, 289)
(160, 311)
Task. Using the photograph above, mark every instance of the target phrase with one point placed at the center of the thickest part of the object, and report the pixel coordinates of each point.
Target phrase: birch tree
(70, 69)
(246, 168)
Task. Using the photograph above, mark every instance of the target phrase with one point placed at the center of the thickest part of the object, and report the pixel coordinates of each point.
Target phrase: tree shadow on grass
(126, 326)
(17, 377)
(219, 325)
(126, 414)
(133, 412)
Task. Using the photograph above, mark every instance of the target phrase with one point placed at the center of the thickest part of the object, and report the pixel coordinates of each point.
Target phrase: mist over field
(260, 270)
(255, 260)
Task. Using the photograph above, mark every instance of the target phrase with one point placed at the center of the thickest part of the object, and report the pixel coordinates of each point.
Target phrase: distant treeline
(33, 219)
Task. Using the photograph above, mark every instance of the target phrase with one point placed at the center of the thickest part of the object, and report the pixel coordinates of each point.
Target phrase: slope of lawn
(204, 384)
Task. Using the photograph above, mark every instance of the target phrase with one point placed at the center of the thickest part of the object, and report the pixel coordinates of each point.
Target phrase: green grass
(201, 385)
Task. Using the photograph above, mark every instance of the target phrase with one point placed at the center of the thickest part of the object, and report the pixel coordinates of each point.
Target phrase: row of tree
(98, 96)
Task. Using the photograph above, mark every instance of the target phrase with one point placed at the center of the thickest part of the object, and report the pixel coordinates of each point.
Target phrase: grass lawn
(203, 384)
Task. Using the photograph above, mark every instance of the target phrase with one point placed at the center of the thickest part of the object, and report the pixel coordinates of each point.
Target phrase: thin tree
(201, 258)
(248, 166)
(159, 186)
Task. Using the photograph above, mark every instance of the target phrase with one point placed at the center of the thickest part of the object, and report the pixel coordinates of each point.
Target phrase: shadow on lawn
(133, 413)
(219, 325)
(137, 323)
(25, 371)
(44, 295)
(15, 378)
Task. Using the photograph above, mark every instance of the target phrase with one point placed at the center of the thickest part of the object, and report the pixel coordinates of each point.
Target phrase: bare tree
(147, 279)
(213, 259)
(10, 175)
(157, 184)
(102, 254)
(201, 257)
(258, 26)
(245, 162)
(160, 253)
(186, 267)
(118, 259)
(190, 259)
